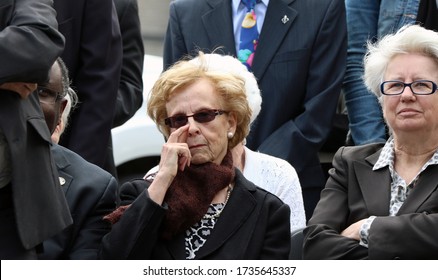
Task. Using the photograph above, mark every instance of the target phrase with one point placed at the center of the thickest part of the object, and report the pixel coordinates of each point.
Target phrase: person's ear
(62, 107)
(232, 122)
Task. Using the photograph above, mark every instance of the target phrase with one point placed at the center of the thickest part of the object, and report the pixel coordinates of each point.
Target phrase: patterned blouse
(197, 235)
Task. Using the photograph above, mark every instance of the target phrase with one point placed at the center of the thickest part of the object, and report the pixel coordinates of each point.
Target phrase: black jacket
(254, 224)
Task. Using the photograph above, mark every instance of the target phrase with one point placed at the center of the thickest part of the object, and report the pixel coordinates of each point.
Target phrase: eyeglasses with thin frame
(420, 87)
(203, 116)
(48, 96)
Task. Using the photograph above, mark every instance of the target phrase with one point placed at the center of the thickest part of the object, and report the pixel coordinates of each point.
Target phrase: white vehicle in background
(137, 143)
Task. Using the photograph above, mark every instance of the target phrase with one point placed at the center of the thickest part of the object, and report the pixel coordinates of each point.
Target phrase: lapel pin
(285, 19)
(61, 181)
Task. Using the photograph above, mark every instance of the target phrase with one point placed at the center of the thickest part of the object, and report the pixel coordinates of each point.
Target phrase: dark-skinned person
(198, 206)
(89, 190)
(32, 206)
(381, 200)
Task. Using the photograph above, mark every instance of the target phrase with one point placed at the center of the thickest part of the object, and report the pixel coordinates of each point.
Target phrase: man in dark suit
(299, 64)
(32, 206)
(93, 55)
(130, 93)
(90, 191)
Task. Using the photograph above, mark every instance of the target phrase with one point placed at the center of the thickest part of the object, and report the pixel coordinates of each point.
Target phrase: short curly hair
(229, 85)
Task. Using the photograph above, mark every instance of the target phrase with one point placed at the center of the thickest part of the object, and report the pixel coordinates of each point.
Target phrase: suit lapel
(62, 163)
(239, 207)
(426, 185)
(219, 23)
(278, 20)
(375, 185)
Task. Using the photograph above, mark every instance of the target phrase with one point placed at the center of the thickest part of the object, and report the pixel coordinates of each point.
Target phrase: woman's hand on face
(175, 153)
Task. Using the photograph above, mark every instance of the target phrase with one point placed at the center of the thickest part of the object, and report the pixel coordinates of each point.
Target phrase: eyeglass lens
(200, 117)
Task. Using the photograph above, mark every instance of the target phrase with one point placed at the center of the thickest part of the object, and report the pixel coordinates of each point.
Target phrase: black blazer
(31, 48)
(93, 55)
(299, 66)
(253, 225)
(354, 192)
(130, 93)
(91, 194)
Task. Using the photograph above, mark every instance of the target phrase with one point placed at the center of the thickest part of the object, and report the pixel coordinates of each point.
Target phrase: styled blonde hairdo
(408, 39)
(229, 85)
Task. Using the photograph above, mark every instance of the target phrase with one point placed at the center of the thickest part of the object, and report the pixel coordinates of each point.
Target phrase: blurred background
(153, 16)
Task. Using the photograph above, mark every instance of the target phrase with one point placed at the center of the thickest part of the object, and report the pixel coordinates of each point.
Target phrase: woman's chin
(199, 159)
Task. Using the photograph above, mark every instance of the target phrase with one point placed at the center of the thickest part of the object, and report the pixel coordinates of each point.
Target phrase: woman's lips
(408, 112)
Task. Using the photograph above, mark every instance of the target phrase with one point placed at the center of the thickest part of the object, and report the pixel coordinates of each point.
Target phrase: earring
(230, 135)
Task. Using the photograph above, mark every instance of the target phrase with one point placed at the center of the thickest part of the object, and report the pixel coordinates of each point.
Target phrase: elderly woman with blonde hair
(198, 205)
(268, 172)
(381, 200)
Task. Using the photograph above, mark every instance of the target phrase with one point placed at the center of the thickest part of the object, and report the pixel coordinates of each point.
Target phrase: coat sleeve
(30, 42)
(322, 239)
(96, 80)
(94, 227)
(174, 46)
(135, 234)
(130, 93)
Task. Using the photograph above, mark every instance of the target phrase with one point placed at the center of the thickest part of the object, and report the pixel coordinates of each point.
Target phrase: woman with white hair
(381, 200)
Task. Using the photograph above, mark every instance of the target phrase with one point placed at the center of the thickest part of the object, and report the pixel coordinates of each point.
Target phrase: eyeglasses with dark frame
(48, 96)
(420, 87)
(203, 116)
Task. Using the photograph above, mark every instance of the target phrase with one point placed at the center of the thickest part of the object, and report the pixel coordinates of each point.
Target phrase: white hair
(229, 64)
(72, 100)
(408, 39)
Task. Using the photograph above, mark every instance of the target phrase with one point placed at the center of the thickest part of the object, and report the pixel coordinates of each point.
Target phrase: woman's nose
(407, 94)
(193, 126)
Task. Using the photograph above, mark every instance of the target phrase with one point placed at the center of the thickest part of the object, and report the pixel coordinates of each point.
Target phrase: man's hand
(23, 89)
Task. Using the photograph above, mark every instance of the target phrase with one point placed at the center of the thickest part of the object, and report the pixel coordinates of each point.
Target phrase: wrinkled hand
(174, 155)
(352, 231)
(23, 89)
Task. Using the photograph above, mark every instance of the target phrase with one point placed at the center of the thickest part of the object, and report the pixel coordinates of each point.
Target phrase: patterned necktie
(249, 35)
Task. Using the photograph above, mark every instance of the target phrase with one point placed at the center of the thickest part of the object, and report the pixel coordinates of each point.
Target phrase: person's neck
(411, 155)
(415, 149)
(238, 153)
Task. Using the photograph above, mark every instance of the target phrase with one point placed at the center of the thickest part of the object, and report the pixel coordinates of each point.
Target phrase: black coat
(27, 52)
(91, 194)
(130, 93)
(254, 224)
(93, 55)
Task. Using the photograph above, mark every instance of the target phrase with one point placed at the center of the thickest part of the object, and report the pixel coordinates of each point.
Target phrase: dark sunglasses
(203, 116)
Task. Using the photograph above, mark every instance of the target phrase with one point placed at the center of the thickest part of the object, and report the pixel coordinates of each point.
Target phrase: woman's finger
(179, 135)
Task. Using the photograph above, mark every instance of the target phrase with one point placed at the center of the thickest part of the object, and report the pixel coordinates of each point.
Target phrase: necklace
(218, 213)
